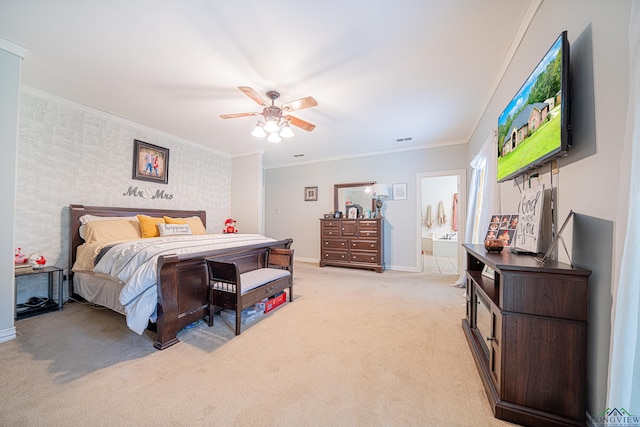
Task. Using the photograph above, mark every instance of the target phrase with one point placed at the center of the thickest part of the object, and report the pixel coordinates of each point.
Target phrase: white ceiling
(380, 70)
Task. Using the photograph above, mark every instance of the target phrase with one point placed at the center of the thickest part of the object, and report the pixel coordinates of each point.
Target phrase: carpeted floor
(354, 348)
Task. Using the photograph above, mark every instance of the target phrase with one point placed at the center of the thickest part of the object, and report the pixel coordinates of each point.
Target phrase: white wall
(72, 154)
(288, 215)
(247, 193)
(588, 178)
(10, 64)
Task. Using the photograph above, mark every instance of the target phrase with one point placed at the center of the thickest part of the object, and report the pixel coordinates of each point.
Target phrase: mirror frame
(337, 187)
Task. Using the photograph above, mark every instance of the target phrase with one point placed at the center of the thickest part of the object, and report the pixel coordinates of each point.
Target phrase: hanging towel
(442, 217)
(454, 221)
(428, 218)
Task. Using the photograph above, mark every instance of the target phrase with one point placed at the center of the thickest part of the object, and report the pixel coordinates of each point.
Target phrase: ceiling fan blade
(254, 95)
(299, 104)
(233, 116)
(302, 124)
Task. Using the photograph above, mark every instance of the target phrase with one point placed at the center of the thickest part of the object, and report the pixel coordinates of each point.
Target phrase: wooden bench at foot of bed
(238, 284)
(183, 287)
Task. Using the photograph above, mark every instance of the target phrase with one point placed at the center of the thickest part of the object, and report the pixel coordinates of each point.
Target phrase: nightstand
(50, 305)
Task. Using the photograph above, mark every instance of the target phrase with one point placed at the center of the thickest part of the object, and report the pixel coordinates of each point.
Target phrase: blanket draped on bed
(134, 263)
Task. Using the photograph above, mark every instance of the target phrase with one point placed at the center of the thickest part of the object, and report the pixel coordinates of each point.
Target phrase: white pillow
(174, 229)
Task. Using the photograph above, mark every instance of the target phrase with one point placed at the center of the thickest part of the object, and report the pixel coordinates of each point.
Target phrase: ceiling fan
(276, 119)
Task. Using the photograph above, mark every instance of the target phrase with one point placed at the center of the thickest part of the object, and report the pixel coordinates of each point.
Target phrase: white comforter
(135, 264)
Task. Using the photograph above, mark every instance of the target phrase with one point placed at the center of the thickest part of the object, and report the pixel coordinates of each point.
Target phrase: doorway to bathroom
(441, 220)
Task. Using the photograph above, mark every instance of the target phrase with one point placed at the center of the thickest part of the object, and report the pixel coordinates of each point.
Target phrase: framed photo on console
(503, 227)
(488, 272)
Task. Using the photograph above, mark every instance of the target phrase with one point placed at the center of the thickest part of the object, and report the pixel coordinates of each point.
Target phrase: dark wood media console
(526, 325)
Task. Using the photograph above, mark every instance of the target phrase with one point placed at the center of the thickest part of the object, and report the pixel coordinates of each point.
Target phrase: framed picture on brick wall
(150, 162)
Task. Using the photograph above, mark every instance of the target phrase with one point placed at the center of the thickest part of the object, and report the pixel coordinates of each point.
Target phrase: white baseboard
(8, 334)
(408, 268)
(308, 260)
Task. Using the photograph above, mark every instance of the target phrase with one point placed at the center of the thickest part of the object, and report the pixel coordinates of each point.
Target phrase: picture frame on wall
(399, 191)
(310, 194)
(150, 162)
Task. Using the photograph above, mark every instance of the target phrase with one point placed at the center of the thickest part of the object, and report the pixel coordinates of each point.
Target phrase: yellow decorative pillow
(149, 225)
(122, 229)
(195, 223)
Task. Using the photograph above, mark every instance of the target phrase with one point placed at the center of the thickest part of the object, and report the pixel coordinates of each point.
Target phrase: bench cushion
(252, 279)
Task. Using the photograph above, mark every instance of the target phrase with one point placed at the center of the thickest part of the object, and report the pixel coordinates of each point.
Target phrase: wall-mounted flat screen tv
(534, 127)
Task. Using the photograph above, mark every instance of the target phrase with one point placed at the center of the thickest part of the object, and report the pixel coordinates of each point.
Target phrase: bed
(159, 281)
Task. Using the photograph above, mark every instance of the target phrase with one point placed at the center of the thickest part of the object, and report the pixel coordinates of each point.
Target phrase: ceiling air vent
(404, 139)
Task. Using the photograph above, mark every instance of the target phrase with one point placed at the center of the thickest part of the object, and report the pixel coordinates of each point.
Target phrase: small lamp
(378, 192)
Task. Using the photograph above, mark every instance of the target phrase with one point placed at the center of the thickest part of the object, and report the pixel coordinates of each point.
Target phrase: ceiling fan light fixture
(274, 137)
(271, 126)
(286, 131)
(259, 131)
(276, 125)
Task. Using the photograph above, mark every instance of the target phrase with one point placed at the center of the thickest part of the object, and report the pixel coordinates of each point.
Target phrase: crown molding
(13, 48)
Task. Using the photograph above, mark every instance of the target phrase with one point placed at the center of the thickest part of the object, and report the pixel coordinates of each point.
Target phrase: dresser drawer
(334, 244)
(330, 232)
(365, 232)
(331, 223)
(369, 257)
(334, 255)
(364, 245)
(364, 224)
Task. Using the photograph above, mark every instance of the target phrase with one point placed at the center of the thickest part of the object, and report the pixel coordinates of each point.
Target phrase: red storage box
(274, 302)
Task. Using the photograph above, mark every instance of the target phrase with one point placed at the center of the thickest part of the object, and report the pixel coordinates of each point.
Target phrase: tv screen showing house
(531, 128)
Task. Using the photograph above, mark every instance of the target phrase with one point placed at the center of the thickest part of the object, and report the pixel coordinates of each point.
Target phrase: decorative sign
(530, 210)
(147, 193)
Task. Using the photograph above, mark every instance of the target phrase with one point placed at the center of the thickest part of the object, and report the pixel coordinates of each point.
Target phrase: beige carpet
(355, 348)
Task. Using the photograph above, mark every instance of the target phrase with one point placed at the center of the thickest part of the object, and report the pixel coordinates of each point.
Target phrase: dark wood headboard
(78, 210)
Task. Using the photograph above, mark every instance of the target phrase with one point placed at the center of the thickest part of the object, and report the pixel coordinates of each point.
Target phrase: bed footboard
(183, 286)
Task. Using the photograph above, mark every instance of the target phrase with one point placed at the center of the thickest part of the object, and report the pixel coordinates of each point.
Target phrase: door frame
(462, 211)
